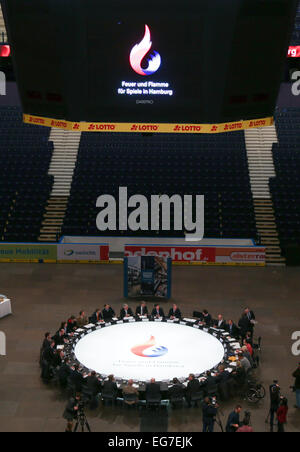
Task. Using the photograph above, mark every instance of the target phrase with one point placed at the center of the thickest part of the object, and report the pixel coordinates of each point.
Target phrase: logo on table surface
(138, 53)
(149, 349)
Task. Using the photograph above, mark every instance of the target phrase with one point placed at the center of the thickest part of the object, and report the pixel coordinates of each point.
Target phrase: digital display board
(171, 62)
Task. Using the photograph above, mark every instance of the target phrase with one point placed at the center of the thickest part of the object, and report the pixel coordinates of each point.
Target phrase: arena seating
(25, 154)
(285, 188)
(296, 32)
(214, 165)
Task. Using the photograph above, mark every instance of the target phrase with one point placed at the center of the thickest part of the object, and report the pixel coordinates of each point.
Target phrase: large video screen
(198, 61)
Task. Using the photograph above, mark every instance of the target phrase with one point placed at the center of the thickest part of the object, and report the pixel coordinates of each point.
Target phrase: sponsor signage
(28, 252)
(153, 128)
(201, 254)
(82, 252)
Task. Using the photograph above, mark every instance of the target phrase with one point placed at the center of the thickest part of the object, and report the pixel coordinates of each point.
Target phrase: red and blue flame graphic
(139, 52)
(149, 349)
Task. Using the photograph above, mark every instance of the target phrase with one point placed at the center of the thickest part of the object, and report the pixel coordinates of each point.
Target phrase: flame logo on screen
(139, 52)
(149, 349)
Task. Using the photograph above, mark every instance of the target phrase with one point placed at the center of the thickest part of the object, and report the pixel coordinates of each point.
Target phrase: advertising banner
(148, 127)
(201, 255)
(28, 252)
(73, 252)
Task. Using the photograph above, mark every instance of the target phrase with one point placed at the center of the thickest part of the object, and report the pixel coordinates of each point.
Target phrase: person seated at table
(153, 393)
(176, 392)
(157, 312)
(72, 325)
(220, 323)
(132, 393)
(207, 319)
(93, 387)
(209, 383)
(60, 338)
(175, 312)
(232, 329)
(192, 388)
(64, 326)
(108, 313)
(246, 343)
(222, 375)
(96, 317)
(142, 309)
(126, 311)
(239, 374)
(82, 320)
(110, 388)
(245, 363)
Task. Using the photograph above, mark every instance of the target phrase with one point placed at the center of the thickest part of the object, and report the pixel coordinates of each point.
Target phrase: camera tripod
(218, 420)
(83, 422)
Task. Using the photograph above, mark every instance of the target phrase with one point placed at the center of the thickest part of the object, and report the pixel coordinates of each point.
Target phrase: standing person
(233, 422)
(282, 414)
(209, 413)
(251, 317)
(296, 375)
(275, 401)
(71, 412)
(244, 326)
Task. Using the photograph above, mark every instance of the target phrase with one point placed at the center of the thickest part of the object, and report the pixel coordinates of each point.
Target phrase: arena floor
(45, 295)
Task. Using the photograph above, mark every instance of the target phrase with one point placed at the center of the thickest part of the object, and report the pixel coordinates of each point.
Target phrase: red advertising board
(221, 255)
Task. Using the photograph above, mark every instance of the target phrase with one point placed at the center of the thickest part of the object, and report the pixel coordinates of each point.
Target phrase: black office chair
(153, 402)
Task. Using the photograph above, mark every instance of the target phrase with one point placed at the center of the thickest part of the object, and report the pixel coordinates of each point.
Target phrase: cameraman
(71, 412)
(296, 375)
(275, 401)
(209, 411)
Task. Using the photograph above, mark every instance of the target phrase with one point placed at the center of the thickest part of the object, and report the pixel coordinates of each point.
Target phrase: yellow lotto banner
(152, 128)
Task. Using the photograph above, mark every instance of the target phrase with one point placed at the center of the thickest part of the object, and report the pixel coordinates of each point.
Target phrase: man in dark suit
(126, 311)
(207, 319)
(192, 388)
(108, 313)
(232, 329)
(157, 311)
(142, 309)
(175, 312)
(176, 392)
(220, 323)
(47, 341)
(153, 392)
(93, 387)
(233, 422)
(96, 317)
(244, 326)
(110, 388)
(59, 338)
(76, 379)
(251, 317)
